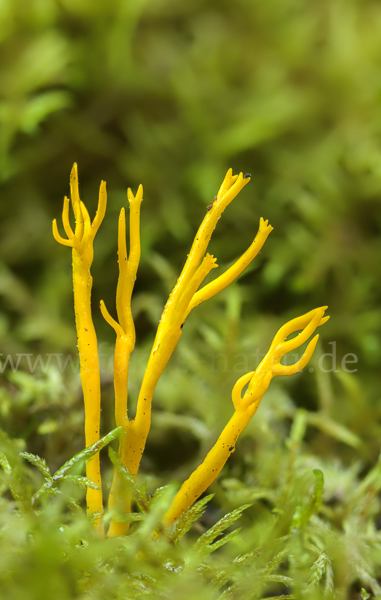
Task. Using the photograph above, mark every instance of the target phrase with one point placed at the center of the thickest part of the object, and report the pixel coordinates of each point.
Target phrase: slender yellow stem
(89, 373)
(211, 467)
(81, 241)
(246, 406)
(119, 499)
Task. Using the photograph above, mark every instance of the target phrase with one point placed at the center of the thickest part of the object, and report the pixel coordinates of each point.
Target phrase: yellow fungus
(119, 499)
(246, 406)
(185, 296)
(81, 241)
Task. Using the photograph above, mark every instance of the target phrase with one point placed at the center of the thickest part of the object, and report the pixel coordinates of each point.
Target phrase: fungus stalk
(81, 242)
(120, 499)
(246, 406)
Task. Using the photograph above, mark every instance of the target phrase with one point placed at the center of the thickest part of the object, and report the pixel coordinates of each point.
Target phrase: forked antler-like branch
(81, 241)
(247, 405)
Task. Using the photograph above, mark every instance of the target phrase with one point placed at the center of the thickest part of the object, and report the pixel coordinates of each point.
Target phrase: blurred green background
(171, 95)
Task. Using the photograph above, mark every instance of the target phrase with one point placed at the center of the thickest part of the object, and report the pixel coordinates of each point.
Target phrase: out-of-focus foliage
(170, 95)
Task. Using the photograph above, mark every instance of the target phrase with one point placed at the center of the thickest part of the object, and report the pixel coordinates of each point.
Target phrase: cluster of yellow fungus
(185, 296)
